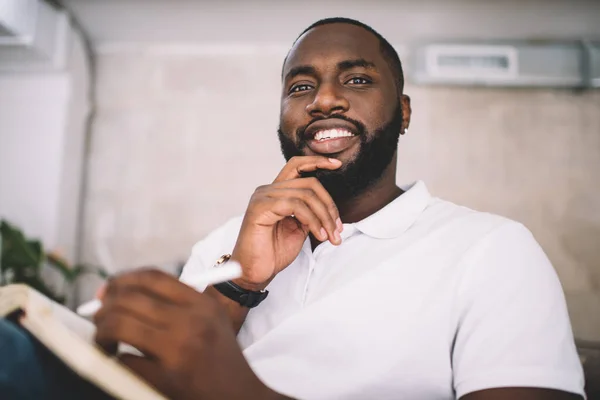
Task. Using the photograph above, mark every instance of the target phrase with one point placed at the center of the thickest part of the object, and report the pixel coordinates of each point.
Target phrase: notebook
(70, 338)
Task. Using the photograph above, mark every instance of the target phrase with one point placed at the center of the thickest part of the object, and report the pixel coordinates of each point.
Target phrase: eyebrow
(301, 70)
(357, 63)
(341, 66)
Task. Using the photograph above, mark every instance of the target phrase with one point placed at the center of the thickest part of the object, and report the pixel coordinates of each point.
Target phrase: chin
(345, 156)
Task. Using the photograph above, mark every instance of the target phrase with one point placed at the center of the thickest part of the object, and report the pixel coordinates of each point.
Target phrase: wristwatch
(244, 297)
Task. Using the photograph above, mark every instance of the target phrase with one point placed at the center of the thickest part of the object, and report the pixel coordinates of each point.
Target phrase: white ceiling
(278, 22)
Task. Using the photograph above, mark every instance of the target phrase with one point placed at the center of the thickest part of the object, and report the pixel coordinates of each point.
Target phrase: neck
(368, 203)
(383, 192)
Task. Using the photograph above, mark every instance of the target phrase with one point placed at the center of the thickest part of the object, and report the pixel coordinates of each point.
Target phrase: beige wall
(43, 116)
(182, 137)
(530, 155)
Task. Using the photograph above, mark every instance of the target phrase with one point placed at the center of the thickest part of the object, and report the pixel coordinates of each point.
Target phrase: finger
(139, 303)
(315, 204)
(321, 192)
(297, 165)
(276, 209)
(120, 327)
(158, 283)
(100, 292)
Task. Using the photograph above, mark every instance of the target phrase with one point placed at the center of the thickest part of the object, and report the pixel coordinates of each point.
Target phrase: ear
(406, 112)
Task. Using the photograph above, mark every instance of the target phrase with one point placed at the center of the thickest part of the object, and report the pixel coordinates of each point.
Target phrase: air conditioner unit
(17, 21)
(534, 64)
(33, 36)
(593, 48)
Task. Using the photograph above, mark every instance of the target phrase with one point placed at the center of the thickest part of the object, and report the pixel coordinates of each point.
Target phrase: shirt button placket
(312, 264)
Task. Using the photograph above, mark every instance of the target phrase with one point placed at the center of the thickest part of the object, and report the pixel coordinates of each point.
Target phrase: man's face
(339, 99)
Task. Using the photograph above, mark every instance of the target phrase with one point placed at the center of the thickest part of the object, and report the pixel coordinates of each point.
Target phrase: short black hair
(387, 50)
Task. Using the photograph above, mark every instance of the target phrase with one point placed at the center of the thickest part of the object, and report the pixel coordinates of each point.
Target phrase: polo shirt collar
(395, 218)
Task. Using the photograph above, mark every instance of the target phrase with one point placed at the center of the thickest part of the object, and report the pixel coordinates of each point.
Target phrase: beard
(355, 177)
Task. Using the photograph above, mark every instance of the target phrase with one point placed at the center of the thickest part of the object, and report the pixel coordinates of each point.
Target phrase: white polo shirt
(422, 300)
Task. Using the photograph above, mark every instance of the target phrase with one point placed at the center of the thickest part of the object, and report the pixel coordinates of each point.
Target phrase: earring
(405, 130)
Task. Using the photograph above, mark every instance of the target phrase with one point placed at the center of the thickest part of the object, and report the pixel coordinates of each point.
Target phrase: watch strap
(246, 298)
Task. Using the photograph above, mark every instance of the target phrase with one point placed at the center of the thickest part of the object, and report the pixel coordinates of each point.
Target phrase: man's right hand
(279, 218)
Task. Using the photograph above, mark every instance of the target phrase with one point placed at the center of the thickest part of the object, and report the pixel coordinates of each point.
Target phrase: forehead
(326, 45)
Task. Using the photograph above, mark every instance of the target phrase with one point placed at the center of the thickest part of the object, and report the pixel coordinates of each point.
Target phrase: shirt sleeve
(206, 252)
(513, 323)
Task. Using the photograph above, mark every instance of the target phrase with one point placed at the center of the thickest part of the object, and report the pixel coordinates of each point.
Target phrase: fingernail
(334, 161)
(338, 238)
(100, 292)
(323, 233)
(340, 226)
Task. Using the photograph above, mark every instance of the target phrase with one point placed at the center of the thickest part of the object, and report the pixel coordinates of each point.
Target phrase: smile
(329, 134)
(332, 141)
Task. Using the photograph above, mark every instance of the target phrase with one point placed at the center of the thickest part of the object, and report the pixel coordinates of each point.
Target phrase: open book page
(87, 360)
(70, 338)
(82, 327)
(22, 297)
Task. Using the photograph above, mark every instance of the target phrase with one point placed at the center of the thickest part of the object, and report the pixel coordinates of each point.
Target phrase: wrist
(255, 287)
(242, 291)
(244, 281)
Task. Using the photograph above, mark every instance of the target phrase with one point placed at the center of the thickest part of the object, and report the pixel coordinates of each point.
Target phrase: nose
(328, 100)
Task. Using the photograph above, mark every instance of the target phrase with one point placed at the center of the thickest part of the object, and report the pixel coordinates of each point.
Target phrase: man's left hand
(189, 346)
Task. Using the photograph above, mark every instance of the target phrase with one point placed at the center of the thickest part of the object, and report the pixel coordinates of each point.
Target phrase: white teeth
(332, 133)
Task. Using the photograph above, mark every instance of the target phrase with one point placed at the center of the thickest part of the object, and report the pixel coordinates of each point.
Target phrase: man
(374, 292)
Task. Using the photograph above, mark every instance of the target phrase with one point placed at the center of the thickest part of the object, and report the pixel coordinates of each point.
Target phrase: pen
(227, 272)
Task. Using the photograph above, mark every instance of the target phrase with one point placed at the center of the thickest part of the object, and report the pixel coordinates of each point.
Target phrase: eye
(300, 88)
(357, 80)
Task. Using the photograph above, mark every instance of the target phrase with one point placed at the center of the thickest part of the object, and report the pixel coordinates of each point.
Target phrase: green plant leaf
(61, 266)
(17, 251)
(36, 249)
(70, 274)
(88, 269)
(39, 285)
(24, 257)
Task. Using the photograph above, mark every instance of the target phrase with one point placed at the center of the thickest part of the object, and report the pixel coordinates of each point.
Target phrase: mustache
(360, 127)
